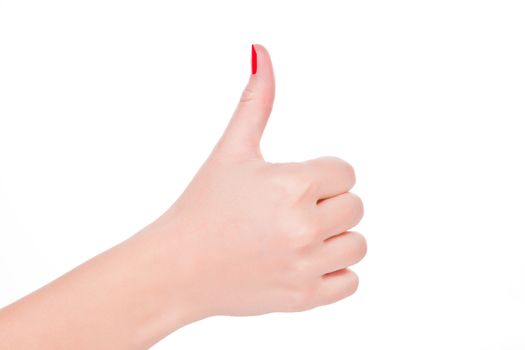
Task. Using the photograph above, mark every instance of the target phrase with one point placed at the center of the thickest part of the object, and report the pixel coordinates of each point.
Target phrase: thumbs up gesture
(249, 237)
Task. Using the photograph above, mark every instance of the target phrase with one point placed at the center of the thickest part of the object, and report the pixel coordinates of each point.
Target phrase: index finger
(332, 175)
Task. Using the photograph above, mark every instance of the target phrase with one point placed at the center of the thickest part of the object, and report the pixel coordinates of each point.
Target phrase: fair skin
(246, 237)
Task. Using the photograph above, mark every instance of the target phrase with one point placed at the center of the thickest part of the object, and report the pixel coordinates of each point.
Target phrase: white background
(107, 108)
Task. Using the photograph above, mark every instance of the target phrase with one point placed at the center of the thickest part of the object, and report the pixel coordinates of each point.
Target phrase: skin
(246, 237)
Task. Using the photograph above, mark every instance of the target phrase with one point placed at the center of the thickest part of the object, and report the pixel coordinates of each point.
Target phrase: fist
(250, 237)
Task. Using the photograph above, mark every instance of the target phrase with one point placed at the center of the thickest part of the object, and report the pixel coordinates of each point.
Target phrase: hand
(246, 237)
(253, 237)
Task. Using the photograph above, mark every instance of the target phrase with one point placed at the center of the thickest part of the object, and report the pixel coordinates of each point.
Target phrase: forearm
(118, 300)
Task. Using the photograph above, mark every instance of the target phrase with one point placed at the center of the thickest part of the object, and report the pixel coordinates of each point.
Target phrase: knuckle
(363, 248)
(296, 300)
(361, 244)
(349, 172)
(302, 185)
(301, 298)
(358, 202)
(333, 159)
(358, 248)
(300, 238)
(347, 286)
(342, 168)
(353, 284)
(346, 289)
(295, 184)
(346, 168)
(356, 208)
(248, 94)
(305, 232)
(298, 268)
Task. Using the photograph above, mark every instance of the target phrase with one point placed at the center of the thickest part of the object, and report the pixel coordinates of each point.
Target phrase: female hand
(246, 237)
(253, 237)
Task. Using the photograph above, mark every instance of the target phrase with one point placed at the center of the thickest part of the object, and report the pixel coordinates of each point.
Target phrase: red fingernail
(254, 60)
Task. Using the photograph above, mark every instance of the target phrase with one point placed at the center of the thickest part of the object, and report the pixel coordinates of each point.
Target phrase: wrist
(162, 276)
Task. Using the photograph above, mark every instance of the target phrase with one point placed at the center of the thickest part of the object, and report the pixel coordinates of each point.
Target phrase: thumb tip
(262, 78)
(261, 60)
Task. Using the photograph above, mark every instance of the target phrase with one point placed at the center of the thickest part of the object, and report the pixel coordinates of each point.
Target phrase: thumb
(243, 133)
